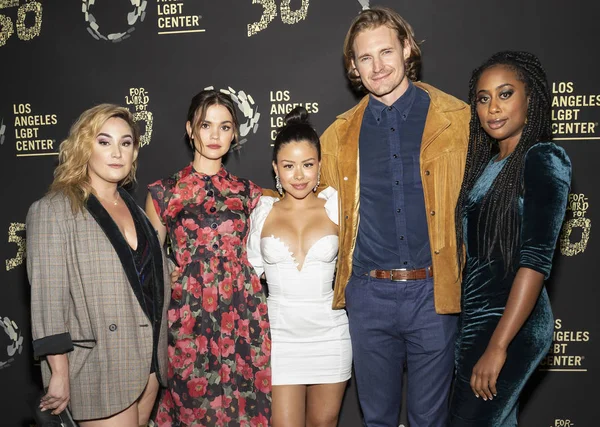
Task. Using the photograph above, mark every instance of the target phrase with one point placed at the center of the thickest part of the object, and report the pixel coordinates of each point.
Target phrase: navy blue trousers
(394, 325)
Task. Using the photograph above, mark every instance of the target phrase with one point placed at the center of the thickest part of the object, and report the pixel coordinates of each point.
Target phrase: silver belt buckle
(397, 280)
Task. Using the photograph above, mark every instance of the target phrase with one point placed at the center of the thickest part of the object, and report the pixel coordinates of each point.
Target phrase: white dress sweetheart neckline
(291, 254)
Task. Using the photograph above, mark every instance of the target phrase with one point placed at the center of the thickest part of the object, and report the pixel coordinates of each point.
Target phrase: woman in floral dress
(219, 341)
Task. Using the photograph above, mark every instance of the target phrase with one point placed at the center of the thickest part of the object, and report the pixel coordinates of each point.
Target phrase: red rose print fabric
(219, 338)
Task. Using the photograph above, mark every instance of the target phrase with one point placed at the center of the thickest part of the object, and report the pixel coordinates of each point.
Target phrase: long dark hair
(499, 212)
(199, 106)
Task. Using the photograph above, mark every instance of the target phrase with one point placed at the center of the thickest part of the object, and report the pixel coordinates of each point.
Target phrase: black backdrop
(58, 58)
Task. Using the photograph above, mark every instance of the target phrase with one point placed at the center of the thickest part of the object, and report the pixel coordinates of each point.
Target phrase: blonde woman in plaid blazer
(97, 274)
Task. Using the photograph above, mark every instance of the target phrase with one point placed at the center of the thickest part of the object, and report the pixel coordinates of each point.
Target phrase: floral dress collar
(190, 171)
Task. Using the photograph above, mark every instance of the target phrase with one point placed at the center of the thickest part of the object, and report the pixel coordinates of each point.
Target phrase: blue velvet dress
(485, 287)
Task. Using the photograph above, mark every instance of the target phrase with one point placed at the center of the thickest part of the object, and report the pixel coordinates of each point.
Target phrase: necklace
(115, 202)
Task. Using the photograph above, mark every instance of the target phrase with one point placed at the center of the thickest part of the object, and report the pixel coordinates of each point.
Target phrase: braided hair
(499, 211)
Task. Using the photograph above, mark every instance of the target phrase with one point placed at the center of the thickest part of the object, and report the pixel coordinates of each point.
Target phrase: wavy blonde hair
(71, 175)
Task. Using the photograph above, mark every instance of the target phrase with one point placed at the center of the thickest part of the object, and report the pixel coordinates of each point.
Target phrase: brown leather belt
(402, 274)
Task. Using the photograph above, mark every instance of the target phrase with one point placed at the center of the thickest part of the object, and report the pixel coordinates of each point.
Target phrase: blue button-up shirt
(392, 232)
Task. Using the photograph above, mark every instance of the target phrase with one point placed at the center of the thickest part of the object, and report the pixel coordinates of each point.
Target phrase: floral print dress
(219, 341)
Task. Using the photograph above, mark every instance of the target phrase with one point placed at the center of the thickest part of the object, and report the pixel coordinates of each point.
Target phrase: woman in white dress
(294, 241)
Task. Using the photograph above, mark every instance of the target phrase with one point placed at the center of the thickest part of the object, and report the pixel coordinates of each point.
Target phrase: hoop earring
(278, 185)
(318, 181)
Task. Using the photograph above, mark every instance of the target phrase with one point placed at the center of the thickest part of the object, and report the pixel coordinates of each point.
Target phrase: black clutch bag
(46, 419)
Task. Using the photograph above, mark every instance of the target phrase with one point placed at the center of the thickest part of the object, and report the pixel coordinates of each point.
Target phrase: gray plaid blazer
(86, 301)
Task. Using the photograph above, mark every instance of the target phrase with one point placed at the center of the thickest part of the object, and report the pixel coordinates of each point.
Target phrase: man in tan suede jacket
(397, 273)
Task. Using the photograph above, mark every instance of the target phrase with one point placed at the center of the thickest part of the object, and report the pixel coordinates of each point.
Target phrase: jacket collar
(440, 101)
(357, 109)
(440, 104)
(123, 250)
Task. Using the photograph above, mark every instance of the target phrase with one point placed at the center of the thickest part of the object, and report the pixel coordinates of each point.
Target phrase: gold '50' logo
(288, 16)
(13, 237)
(25, 31)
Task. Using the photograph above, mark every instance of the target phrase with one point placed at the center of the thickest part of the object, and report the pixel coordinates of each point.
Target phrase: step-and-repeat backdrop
(58, 58)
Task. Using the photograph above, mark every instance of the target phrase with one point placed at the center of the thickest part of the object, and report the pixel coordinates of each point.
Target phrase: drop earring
(318, 181)
(278, 185)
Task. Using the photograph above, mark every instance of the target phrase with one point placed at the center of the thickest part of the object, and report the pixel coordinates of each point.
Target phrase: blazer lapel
(157, 259)
(348, 153)
(118, 242)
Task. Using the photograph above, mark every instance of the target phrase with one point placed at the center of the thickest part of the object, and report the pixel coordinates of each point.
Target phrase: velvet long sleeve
(547, 178)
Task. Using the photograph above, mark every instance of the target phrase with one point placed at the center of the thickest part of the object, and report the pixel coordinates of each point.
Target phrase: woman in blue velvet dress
(509, 214)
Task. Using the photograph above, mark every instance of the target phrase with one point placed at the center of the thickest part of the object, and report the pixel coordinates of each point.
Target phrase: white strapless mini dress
(310, 342)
